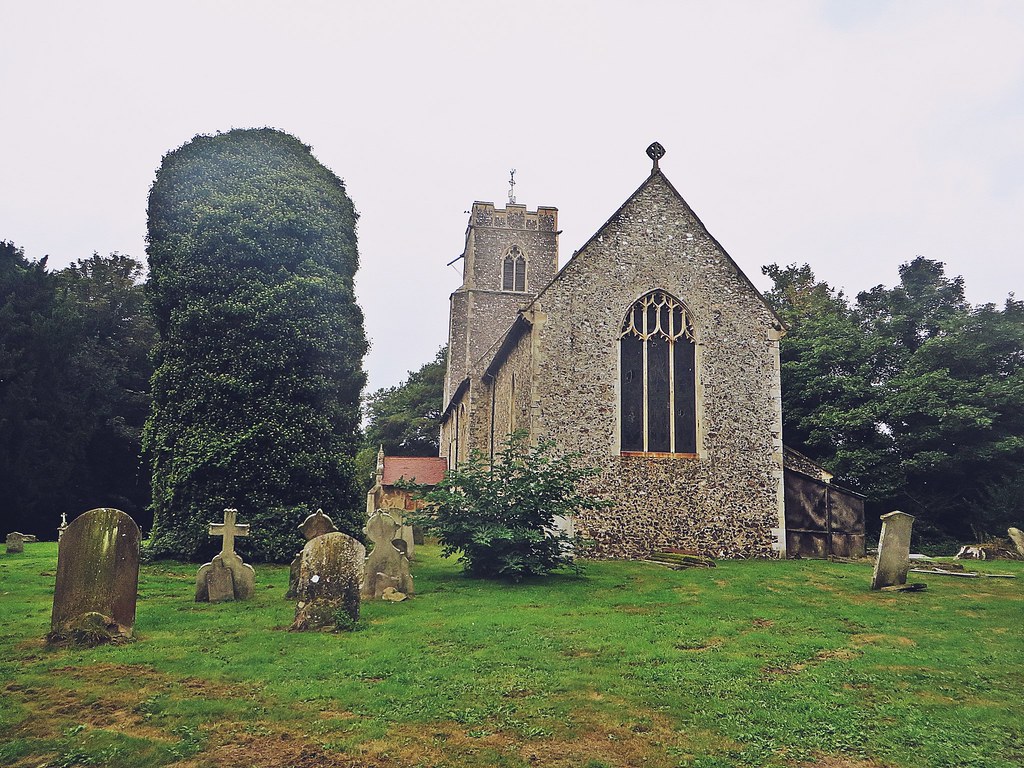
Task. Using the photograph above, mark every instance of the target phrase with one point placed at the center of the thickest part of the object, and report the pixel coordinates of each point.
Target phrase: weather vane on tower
(512, 186)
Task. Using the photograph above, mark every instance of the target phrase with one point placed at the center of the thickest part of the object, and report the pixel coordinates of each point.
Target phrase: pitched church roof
(656, 173)
(500, 349)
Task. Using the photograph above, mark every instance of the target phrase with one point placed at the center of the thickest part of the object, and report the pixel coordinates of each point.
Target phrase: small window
(657, 377)
(513, 272)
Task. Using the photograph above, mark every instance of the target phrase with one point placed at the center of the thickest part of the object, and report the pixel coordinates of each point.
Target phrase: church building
(649, 352)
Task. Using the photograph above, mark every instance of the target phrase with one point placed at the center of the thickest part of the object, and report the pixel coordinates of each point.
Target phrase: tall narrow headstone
(226, 577)
(893, 551)
(387, 565)
(97, 579)
(330, 571)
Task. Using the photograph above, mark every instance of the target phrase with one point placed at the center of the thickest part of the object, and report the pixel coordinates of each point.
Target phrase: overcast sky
(849, 135)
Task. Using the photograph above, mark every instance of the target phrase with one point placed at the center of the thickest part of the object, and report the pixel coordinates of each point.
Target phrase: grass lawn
(753, 663)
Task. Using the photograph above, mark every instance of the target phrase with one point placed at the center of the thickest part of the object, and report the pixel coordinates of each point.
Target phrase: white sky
(850, 135)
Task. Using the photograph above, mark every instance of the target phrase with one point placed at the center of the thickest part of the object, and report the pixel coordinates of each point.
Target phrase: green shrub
(501, 518)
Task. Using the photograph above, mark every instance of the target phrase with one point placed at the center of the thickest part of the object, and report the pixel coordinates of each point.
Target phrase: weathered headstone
(226, 569)
(893, 551)
(1017, 537)
(97, 579)
(387, 565)
(330, 572)
(15, 543)
(315, 525)
(64, 526)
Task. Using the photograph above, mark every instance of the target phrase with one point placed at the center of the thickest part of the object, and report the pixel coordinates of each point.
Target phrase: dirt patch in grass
(55, 709)
(280, 750)
(596, 737)
(874, 638)
(838, 761)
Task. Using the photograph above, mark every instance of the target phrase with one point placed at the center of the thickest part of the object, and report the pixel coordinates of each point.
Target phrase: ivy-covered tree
(252, 255)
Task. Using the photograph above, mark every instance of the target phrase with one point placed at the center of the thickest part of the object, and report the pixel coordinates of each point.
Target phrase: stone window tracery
(657, 377)
(513, 272)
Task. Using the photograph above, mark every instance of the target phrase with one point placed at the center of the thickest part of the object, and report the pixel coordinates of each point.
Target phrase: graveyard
(752, 663)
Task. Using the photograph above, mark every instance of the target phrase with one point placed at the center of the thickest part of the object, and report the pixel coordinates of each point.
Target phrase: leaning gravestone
(1017, 537)
(387, 565)
(226, 577)
(330, 571)
(315, 525)
(97, 579)
(893, 551)
(15, 543)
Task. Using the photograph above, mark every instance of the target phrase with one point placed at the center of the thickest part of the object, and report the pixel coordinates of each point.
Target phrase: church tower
(511, 254)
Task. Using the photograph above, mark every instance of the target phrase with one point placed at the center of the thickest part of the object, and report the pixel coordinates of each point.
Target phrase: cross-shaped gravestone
(387, 566)
(226, 577)
(228, 529)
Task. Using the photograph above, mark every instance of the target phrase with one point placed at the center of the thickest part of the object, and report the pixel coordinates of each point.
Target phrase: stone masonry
(555, 373)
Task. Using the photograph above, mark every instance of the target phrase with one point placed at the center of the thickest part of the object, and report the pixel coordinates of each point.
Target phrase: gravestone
(97, 579)
(893, 551)
(330, 572)
(1017, 537)
(64, 526)
(226, 577)
(387, 565)
(315, 525)
(15, 543)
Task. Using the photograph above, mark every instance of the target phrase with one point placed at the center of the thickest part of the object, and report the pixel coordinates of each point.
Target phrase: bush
(502, 517)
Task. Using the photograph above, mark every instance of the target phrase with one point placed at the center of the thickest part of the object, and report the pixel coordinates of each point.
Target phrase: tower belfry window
(657, 377)
(513, 272)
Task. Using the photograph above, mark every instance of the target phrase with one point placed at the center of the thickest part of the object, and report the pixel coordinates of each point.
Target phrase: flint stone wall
(726, 502)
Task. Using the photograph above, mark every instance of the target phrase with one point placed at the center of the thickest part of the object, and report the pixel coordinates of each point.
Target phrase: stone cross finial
(229, 530)
(512, 186)
(655, 152)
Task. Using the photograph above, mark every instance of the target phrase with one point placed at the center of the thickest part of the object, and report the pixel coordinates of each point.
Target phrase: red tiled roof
(423, 470)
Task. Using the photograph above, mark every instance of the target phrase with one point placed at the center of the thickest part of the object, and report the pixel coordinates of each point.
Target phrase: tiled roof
(426, 470)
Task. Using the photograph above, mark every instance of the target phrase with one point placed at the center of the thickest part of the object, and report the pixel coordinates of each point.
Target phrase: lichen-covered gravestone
(387, 566)
(97, 579)
(1017, 537)
(15, 543)
(226, 577)
(893, 551)
(315, 525)
(330, 572)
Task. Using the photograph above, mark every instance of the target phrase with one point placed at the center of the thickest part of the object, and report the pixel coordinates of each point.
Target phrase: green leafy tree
(502, 518)
(405, 419)
(74, 371)
(252, 253)
(909, 395)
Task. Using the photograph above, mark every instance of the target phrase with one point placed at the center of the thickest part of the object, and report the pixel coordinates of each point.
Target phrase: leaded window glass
(513, 273)
(657, 385)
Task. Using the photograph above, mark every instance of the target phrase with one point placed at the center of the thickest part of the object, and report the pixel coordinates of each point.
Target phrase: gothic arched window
(658, 390)
(513, 270)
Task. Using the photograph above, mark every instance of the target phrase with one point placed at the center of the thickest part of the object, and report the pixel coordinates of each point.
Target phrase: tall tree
(252, 252)
(74, 373)
(909, 394)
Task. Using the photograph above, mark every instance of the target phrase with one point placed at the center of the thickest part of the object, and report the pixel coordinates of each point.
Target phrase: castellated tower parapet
(511, 254)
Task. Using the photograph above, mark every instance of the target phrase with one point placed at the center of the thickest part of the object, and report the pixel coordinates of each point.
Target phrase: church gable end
(685, 420)
(652, 355)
